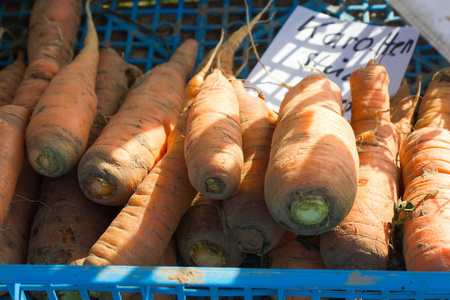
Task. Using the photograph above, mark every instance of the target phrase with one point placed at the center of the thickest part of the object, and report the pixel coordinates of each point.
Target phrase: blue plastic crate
(147, 34)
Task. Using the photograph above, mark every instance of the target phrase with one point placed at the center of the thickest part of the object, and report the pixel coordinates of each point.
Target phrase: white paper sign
(309, 38)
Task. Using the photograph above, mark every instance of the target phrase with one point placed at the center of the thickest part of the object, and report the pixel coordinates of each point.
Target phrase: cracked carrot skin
(213, 145)
(135, 138)
(312, 174)
(362, 240)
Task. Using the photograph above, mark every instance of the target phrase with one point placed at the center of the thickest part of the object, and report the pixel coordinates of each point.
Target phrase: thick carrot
(15, 231)
(425, 172)
(10, 78)
(135, 138)
(13, 121)
(434, 109)
(66, 225)
(247, 218)
(57, 134)
(312, 174)
(362, 240)
(201, 240)
(213, 145)
(52, 32)
(114, 78)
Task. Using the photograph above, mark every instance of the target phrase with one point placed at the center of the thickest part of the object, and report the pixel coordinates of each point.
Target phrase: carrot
(10, 78)
(13, 121)
(134, 139)
(52, 33)
(114, 78)
(401, 102)
(362, 239)
(15, 231)
(434, 109)
(425, 171)
(57, 134)
(201, 239)
(295, 252)
(213, 144)
(312, 174)
(149, 220)
(247, 218)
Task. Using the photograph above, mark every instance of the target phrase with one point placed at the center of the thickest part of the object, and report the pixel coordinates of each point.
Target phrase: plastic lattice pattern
(147, 32)
(220, 283)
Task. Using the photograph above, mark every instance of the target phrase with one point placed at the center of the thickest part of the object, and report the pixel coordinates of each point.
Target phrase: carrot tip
(215, 185)
(308, 211)
(99, 187)
(205, 255)
(250, 239)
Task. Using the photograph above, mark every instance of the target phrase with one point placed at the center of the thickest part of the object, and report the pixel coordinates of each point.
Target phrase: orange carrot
(200, 238)
(52, 32)
(135, 138)
(13, 121)
(149, 220)
(213, 144)
(15, 231)
(362, 239)
(435, 107)
(247, 218)
(57, 135)
(114, 78)
(10, 78)
(312, 174)
(401, 102)
(425, 172)
(295, 252)
(66, 224)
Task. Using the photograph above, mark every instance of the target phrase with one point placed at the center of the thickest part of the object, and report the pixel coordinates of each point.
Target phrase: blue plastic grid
(203, 20)
(158, 28)
(223, 283)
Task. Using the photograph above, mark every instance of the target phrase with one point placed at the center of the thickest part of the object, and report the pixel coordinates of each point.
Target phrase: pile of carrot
(104, 164)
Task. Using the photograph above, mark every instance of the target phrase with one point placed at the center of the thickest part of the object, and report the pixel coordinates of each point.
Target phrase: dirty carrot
(201, 240)
(15, 231)
(114, 78)
(213, 144)
(435, 107)
(13, 121)
(247, 219)
(312, 174)
(425, 171)
(57, 134)
(135, 138)
(51, 37)
(10, 78)
(362, 240)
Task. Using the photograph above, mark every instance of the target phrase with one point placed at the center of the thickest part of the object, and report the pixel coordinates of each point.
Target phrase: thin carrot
(135, 138)
(10, 78)
(57, 135)
(52, 32)
(362, 240)
(201, 239)
(247, 218)
(15, 231)
(114, 78)
(425, 171)
(13, 121)
(312, 174)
